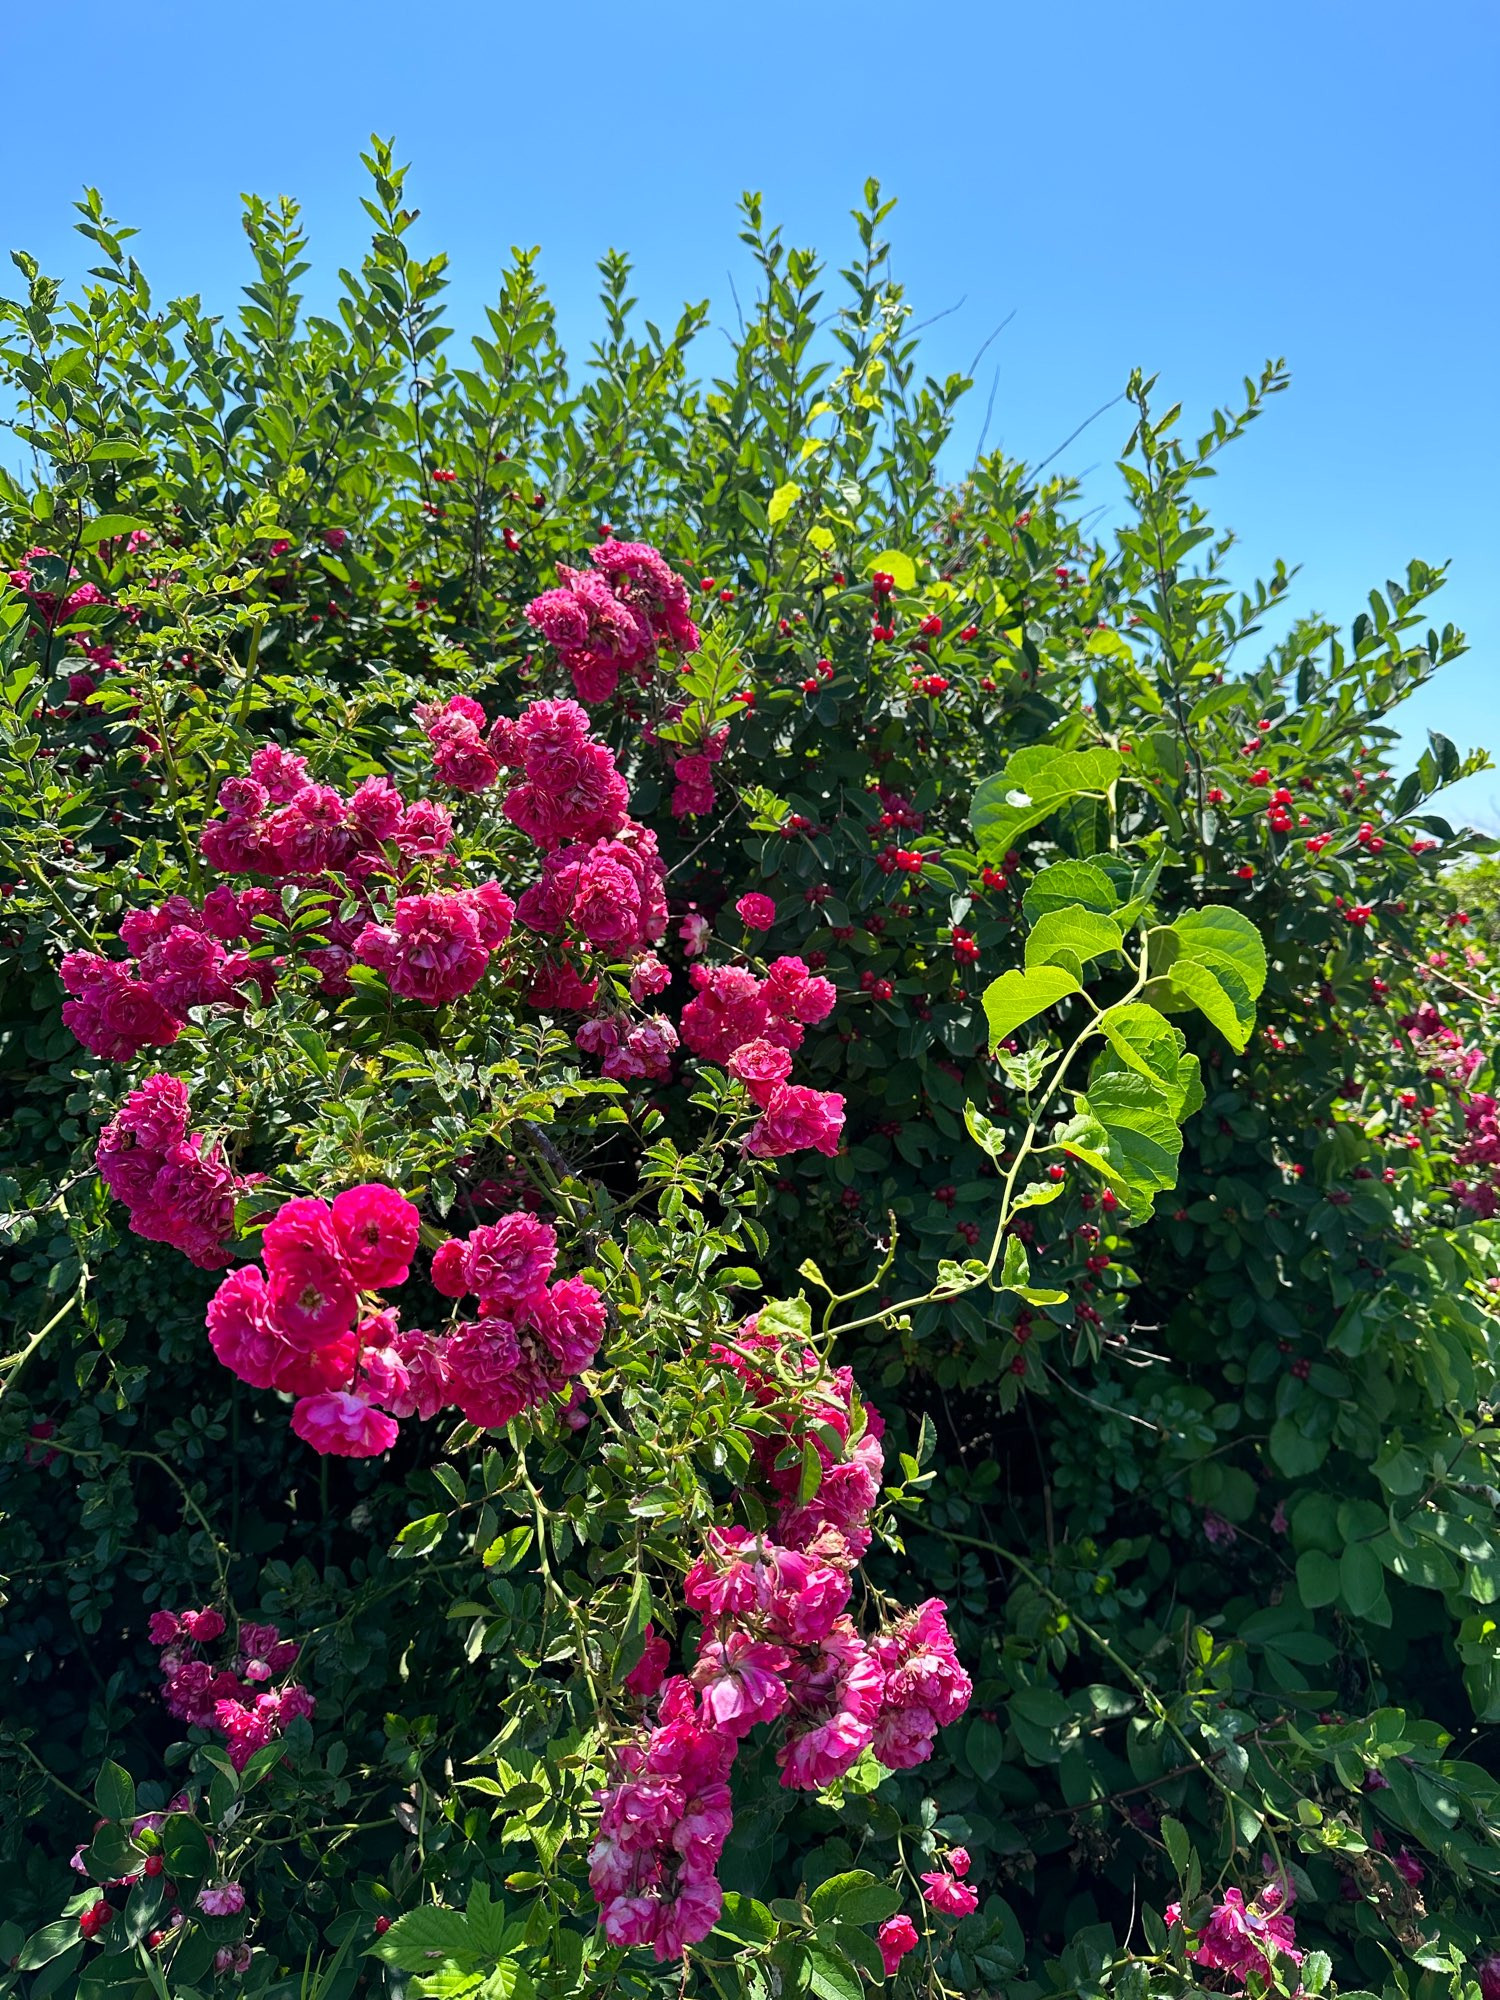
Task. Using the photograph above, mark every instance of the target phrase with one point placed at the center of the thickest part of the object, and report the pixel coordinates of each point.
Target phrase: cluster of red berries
(898, 861)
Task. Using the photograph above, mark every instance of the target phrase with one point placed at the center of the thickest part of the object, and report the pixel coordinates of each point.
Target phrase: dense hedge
(1207, 1481)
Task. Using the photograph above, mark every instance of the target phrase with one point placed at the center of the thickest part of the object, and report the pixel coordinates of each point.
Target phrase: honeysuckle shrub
(732, 1171)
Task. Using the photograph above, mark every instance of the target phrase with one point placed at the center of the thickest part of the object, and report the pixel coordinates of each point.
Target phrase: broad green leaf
(1293, 1453)
(106, 527)
(830, 1975)
(1125, 1129)
(1361, 1579)
(1174, 1833)
(1039, 1194)
(114, 1792)
(1017, 997)
(1218, 932)
(788, 1320)
(898, 565)
(414, 1942)
(1066, 883)
(827, 1897)
(1071, 934)
(1150, 1045)
(783, 500)
(48, 1943)
(1033, 784)
(185, 1848)
(1219, 994)
(746, 1920)
(1317, 1579)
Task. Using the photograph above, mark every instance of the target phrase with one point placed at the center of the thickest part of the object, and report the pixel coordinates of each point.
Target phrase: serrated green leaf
(1017, 997)
(1072, 935)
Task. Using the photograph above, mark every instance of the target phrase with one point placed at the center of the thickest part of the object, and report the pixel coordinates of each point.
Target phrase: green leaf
(1018, 997)
(828, 1896)
(1147, 1043)
(46, 1944)
(1219, 994)
(1124, 1128)
(1361, 1579)
(1317, 1579)
(787, 1320)
(1015, 1276)
(1174, 1833)
(185, 1848)
(1294, 1454)
(783, 500)
(114, 1792)
(1061, 936)
(1219, 966)
(106, 527)
(746, 1920)
(830, 1975)
(632, 1640)
(898, 566)
(1033, 784)
(1066, 883)
(417, 1538)
(415, 1942)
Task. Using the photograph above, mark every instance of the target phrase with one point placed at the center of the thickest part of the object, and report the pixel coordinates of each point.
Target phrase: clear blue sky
(1187, 186)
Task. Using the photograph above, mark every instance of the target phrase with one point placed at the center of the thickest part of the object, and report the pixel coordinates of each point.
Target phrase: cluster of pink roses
(615, 619)
(232, 1698)
(307, 1327)
(532, 1335)
(1452, 1063)
(777, 1646)
(180, 958)
(178, 1189)
(750, 1027)
(1480, 1148)
(1239, 1937)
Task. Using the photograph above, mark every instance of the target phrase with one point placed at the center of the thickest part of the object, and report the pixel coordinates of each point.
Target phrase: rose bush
(776, 1199)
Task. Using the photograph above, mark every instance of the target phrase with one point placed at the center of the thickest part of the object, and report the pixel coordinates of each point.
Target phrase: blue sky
(1182, 186)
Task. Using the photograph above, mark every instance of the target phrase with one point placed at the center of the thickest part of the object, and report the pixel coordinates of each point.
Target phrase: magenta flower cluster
(778, 1647)
(615, 618)
(308, 1326)
(233, 1698)
(178, 1187)
(750, 1027)
(180, 958)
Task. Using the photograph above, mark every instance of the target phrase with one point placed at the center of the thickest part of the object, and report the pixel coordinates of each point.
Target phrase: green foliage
(1143, 1236)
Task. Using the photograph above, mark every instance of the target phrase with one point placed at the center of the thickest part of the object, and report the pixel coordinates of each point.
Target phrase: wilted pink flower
(222, 1899)
(693, 930)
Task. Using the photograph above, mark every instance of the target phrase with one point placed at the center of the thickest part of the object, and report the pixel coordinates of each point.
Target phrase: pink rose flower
(377, 1230)
(757, 912)
(342, 1425)
(896, 1937)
